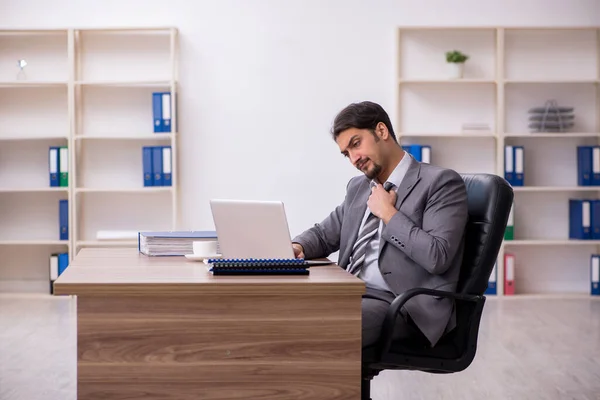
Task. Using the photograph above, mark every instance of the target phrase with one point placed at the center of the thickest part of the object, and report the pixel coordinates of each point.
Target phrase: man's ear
(382, 131)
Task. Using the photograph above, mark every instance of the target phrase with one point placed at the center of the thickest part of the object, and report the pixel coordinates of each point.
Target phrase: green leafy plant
(456, 56)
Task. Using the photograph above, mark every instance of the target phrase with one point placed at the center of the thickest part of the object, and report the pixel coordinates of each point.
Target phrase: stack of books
(172, 243)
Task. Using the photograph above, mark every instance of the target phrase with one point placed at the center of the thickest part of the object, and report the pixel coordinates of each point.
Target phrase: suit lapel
(357, 210)
(408, 183)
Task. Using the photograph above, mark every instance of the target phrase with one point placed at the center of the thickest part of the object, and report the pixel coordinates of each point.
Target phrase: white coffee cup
(205, 248)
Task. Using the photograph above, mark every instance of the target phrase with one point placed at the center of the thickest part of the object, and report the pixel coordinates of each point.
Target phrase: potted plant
(456, 61)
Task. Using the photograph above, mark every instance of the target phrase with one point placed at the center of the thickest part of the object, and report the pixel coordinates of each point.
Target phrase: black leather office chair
(489, 201)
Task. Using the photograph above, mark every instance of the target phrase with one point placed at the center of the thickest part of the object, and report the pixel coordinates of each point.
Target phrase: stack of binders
(157, 165)
(172, 243)
(584, 219)
(161, 111)
(588, 165)
(514, 165)
(58, 166)
(420, 152)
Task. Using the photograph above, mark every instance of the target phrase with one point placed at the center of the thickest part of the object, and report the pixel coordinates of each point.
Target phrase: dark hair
(363, 115)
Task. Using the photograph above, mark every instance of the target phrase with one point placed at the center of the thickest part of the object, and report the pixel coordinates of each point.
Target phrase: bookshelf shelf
(140, 190)
(450, 135)
(34, 243)
(91, 91)
(510, 71)
(106, 243)
(166, 137)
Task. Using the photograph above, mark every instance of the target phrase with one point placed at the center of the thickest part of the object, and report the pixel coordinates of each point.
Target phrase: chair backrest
(490, 199)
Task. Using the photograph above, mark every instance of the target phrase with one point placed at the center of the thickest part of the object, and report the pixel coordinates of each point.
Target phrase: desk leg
(219, 347)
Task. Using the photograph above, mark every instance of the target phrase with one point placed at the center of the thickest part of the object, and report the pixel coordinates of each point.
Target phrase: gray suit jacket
(422, 246)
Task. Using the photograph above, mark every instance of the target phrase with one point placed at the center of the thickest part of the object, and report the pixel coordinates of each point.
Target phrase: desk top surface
(113, 271)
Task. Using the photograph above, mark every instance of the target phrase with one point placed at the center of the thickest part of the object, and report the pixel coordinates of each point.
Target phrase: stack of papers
(172, 243)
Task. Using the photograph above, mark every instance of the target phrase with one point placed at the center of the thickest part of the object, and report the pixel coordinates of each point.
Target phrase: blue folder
(579, 219)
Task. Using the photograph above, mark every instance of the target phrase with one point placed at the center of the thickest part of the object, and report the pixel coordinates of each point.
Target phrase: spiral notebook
(252, 266)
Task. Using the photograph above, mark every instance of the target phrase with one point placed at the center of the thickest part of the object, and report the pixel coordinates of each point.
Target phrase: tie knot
(388, 185)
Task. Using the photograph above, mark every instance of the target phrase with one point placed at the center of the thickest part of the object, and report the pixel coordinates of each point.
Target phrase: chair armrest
(387, 330)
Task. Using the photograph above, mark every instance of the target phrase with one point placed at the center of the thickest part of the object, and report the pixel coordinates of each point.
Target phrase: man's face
(363, 150)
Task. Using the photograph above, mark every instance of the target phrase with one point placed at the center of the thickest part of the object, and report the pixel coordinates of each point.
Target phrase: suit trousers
(375, 303)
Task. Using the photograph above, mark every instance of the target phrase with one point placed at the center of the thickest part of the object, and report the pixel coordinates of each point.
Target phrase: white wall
(262, 80)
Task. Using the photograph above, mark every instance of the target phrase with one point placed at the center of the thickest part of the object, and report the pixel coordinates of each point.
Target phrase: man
(411, 236)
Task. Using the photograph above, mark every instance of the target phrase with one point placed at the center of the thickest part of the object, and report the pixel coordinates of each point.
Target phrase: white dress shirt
(370, 272)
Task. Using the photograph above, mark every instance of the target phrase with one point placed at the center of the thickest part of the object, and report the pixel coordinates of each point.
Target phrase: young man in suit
(410, 236)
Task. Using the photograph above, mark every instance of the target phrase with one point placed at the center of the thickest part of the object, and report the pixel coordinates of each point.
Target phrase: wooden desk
(165, 328)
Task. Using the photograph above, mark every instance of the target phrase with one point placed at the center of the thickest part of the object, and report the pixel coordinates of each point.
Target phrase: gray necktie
(368, 230)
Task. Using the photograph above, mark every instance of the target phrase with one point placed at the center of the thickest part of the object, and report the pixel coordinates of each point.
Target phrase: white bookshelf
(90, 90)
(509, 71)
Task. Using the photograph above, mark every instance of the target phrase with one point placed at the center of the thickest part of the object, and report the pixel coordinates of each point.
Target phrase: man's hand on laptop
(298, 250)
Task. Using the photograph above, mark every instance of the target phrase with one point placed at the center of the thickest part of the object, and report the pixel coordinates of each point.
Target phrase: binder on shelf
(157, 111)
(509, 165)
(63, 160)
(161, 111)
(579, 219)
(491, 287)
(509, 232)
(595, 219)
(157, 166)
(147, 166)
(420, 152)
(166, 112)
(53, 271)
(166, 166)
(509, 274)
(584, 165)
(595, 274)
(53, 166)
(63, 219)
(63, 262)
(519, 159)
(595, 166)
(251, 266)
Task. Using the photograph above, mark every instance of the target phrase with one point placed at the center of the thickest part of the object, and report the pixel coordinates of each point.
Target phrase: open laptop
(253, 229)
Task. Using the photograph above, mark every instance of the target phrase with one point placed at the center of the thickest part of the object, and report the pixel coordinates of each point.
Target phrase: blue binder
(595, 219)
(63, 219)
(157, 167)
(147, 166)
(595, 166)
(579, 219)
(595, 274)
(63, 262)
(157, 111)
(167, 165)
(166, 112)
(491, 287)
(584, 165)
(53, 165)
(519, 167)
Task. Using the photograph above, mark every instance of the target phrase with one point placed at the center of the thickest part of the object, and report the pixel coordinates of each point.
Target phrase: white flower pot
(455, 70)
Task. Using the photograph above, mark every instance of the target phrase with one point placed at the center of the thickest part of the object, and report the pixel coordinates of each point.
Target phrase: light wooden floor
(528, 349)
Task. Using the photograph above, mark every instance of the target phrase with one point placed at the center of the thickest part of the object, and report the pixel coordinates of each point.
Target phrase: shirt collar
(399, 172)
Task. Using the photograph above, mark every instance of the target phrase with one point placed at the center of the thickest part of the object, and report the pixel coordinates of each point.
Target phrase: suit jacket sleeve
(323, 238)
(435, 245)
